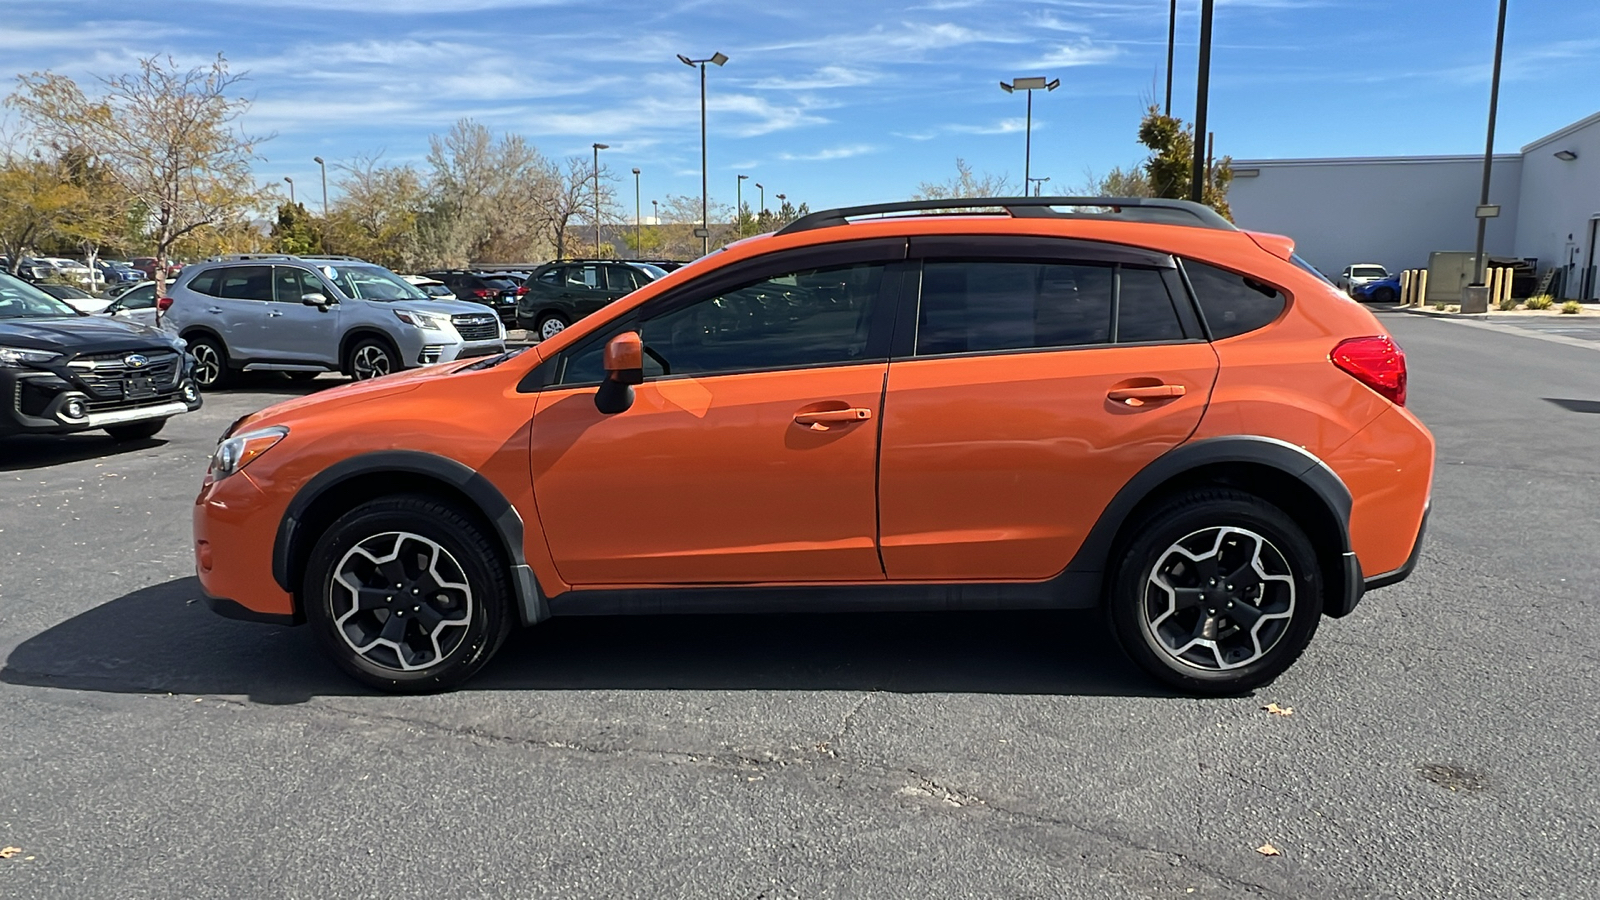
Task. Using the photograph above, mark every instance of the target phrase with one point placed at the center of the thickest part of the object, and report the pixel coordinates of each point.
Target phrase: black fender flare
(1086, 571)
(494, 506)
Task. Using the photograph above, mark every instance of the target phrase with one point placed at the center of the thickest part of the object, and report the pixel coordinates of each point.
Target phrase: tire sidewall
(1184, 517)
(394, 358)
(488, 625)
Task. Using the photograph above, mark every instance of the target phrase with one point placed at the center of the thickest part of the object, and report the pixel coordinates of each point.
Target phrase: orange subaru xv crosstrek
(1057, 403)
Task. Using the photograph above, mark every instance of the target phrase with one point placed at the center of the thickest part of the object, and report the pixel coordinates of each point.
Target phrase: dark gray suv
(305, 315)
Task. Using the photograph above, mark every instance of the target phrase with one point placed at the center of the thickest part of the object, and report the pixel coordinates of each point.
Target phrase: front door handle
(1140, 396)
(821, 419)
(213, 309)
(273, 313)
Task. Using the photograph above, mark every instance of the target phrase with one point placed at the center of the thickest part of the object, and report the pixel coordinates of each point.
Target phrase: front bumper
(52, 401)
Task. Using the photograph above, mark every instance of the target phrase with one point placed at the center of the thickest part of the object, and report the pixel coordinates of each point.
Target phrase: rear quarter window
(205, 283)
(1232, 304)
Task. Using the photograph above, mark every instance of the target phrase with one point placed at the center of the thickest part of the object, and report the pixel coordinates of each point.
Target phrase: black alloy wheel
(408, 594)
(371, 358)
(210, 362)
(1216, 592)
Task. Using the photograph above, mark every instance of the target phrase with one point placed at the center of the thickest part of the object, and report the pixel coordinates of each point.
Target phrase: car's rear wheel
(408, 594)
(1383, 295)
(136, 431)
(210, 362)
(1217, 592)
(552, 324)
(371, 358)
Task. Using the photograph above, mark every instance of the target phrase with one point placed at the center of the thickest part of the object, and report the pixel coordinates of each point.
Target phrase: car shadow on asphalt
(36, 451)
(163, 639)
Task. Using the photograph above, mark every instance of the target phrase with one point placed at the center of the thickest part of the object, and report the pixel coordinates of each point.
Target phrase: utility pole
(1480, 268)
(1197, 174)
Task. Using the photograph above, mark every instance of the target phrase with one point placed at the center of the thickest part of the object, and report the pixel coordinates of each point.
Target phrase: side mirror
(624, 365)
(318, 300)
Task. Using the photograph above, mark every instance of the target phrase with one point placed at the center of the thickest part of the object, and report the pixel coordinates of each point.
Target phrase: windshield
(20, 300)
(372, 283)
(1369, 272)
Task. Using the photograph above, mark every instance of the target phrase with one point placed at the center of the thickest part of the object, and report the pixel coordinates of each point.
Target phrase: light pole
(763, 196)
(1029, 85)
(1038, 185)
(1172, 34)
(655, 216)
(291, 189)
(1480, 264)
(738, 203)
(597, 149)
(781, 199)
(705, 190)
(638, 239)
(324, 167)
(1198, 175)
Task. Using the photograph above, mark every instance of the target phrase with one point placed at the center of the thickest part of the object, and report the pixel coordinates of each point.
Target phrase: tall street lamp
(638, 239)
(1172, 34)
(1480, 268)
(1197, 176)
(291, 189)
(655, 213)
(597, 149)
(738, 203)
(781, 199)
(718, 59)
(324, 167)
(1029, 85)
(763, 196)
(1038, 186)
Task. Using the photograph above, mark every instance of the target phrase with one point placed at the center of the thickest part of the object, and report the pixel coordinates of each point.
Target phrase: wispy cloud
(831, 153)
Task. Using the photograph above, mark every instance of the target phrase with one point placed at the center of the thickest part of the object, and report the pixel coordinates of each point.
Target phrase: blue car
(1384, 290)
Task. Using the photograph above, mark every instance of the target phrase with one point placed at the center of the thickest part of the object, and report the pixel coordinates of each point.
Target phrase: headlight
(423, 320)
(12, 357)
(240, 450)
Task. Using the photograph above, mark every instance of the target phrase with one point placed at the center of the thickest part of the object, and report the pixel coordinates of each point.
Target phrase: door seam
(877, 475)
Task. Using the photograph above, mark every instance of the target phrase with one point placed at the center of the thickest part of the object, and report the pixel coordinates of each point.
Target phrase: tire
(551, 324)
(210, 362)
(1174, 551)
(371, 358)
(136, 431)
(1383, 295)
(446, 640)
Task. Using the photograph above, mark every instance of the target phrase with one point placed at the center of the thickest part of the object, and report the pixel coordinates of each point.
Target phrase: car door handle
(1140, 396)
(273, 313)
(213, 309)
(819, 420)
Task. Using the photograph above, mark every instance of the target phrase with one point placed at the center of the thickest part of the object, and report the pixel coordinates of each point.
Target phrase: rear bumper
(1404, 572)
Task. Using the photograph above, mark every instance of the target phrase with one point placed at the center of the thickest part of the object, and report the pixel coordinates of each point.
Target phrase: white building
(1395, 210)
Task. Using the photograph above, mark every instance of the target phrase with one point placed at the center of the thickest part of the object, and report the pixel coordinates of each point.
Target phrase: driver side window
(807, 318)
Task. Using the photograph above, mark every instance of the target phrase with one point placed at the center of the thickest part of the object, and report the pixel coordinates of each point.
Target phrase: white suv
(305, 315)
(1361, 273)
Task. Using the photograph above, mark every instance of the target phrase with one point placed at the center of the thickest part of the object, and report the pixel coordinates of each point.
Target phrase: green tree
(34, 199)
(1169, 170)
(296, 231)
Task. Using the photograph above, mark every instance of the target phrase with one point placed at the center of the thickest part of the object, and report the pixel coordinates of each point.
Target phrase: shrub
(1507, 304)
(1542, 301)
(1571, 308)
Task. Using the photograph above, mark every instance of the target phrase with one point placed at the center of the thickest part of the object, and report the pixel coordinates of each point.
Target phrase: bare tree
(1119, 182)
(966, 183)
(167, 136)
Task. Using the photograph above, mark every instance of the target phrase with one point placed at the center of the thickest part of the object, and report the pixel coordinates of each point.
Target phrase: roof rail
(1158, 210)
(332, 256)
(236, 257)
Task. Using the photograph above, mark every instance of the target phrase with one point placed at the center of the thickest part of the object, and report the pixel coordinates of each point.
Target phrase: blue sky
(842, 102)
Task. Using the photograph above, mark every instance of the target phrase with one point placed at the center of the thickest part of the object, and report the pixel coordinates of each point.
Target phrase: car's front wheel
(210, 362)
(1217, 592)
(371, 358)
(407, 594)
(1383, 295)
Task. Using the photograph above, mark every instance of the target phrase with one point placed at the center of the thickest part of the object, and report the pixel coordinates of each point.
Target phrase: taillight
(164, 304)
(521, 289)
(483, 293)
(1377, 362)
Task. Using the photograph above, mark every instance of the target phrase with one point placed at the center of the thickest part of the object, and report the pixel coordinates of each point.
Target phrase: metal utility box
(1448, 272)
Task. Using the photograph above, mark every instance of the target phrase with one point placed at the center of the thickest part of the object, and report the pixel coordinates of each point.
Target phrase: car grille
(114, 382)
(477, 327)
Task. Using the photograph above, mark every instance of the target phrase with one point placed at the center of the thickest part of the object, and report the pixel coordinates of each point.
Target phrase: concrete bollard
(1405, 287)
(1422, 287)
(1475, 299)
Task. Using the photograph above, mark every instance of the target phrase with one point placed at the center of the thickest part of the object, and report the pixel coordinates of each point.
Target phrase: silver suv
(304, 315)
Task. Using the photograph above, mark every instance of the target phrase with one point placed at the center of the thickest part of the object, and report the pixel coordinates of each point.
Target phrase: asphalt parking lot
(1442, 741)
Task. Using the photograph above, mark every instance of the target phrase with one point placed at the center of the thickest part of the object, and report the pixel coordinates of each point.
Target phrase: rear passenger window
(205, 283)
(972, 307)
(247, 283)
(1232, 304)
(1144, 308)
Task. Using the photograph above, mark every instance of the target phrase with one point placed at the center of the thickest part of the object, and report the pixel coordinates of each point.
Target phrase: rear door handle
(1140, 396)
(821, 419)
(213, 309)
(273, 313)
